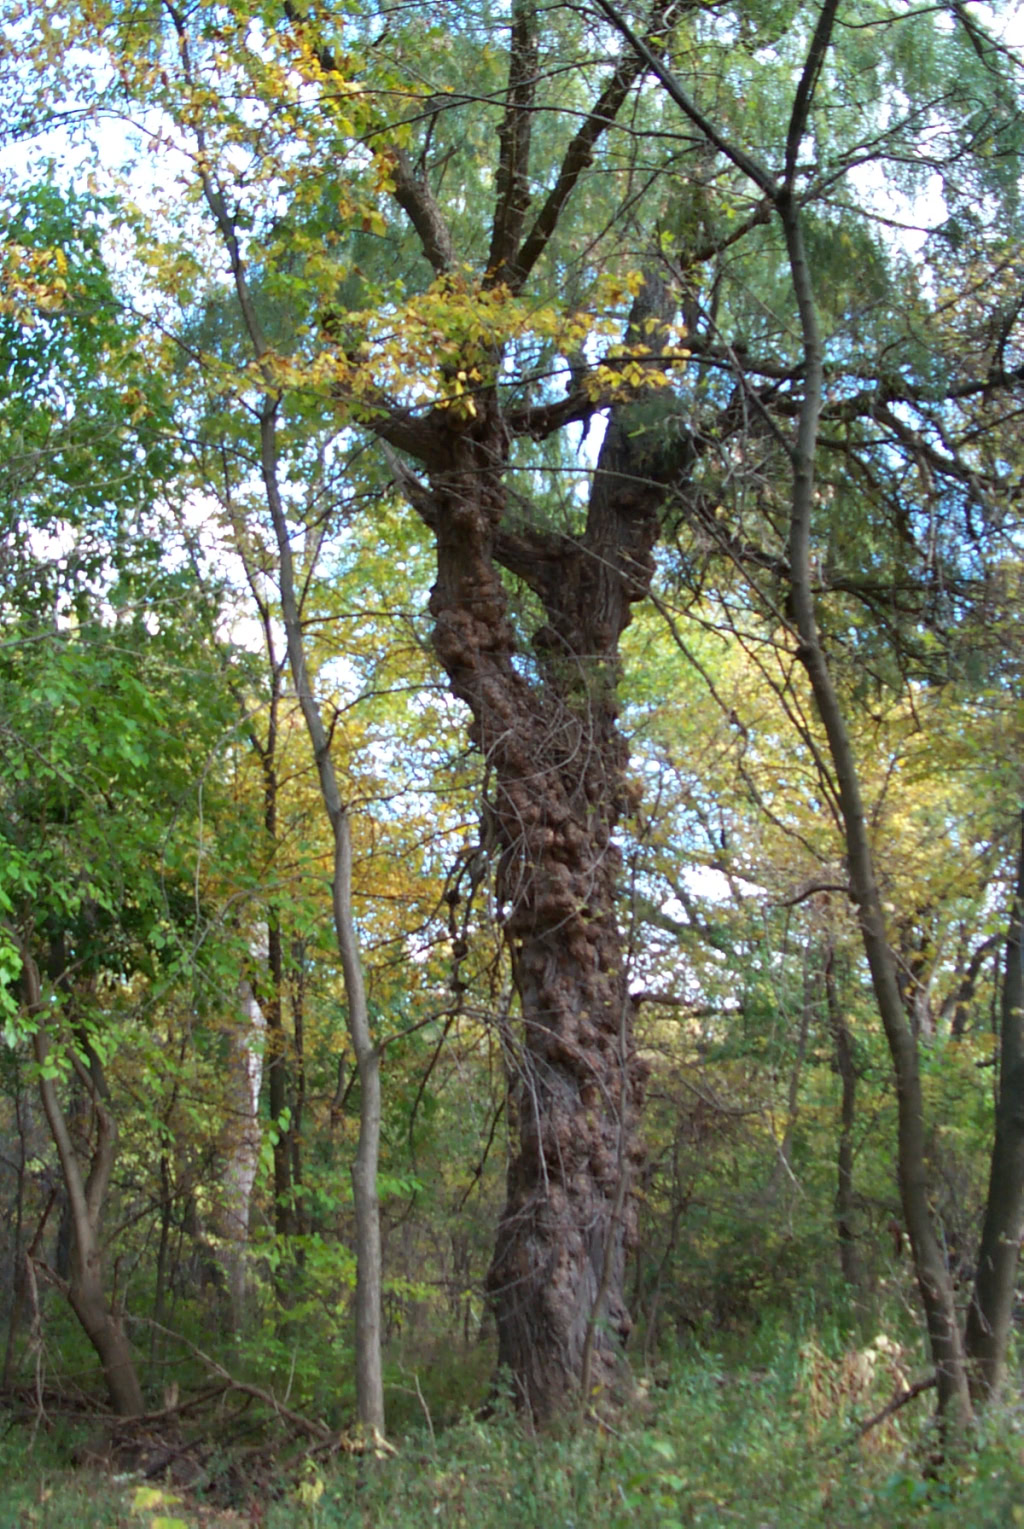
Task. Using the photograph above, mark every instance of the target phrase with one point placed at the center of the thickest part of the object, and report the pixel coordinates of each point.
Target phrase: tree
(990, 1313)
(780, 192)
(546, 731)
(531, 292)
(99, 769)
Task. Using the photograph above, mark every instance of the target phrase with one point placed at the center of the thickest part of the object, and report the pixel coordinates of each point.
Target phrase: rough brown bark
(991, 1313)
(574, 1081)
(546, 727)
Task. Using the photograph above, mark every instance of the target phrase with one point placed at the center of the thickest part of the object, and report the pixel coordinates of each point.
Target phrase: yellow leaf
(146, 1498)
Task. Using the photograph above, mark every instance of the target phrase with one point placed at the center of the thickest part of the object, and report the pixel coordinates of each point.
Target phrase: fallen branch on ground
(312, 1427)
(891, 1407)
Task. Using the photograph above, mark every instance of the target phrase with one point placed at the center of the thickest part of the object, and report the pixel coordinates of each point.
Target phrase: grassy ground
(767, 1445)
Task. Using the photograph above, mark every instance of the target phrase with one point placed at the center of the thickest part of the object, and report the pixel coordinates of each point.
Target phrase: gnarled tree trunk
(546, 726)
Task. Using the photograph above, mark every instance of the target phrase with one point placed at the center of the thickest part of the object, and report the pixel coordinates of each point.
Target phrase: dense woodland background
(510, 755)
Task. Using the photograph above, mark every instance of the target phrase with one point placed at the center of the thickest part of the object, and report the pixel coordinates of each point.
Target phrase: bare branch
(892, 1407)
(805, 90)
(416, 200)
(810, 890)
(512, 179)
(739, 157)
(546, 419)
(312, 1427)
(578, 157)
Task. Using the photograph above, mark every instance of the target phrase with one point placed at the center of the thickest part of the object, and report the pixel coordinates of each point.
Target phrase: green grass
(718, 1449)
(38, 1485)
(769, 1446)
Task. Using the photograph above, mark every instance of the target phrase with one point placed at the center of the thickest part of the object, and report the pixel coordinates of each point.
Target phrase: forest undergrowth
(765, 1433)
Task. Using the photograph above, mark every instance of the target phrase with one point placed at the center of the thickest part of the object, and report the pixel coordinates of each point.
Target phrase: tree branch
(578, 157)
(739, 157)
(416, 200)
(805, 90)
(512, 179)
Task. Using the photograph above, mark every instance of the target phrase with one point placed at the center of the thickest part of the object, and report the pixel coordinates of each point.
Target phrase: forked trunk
(89, 1303)
(556, 762)
(546, 727)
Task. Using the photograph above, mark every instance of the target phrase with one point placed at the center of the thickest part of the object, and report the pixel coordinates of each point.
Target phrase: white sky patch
(50, 543)
(711, 885)
(912, 218)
